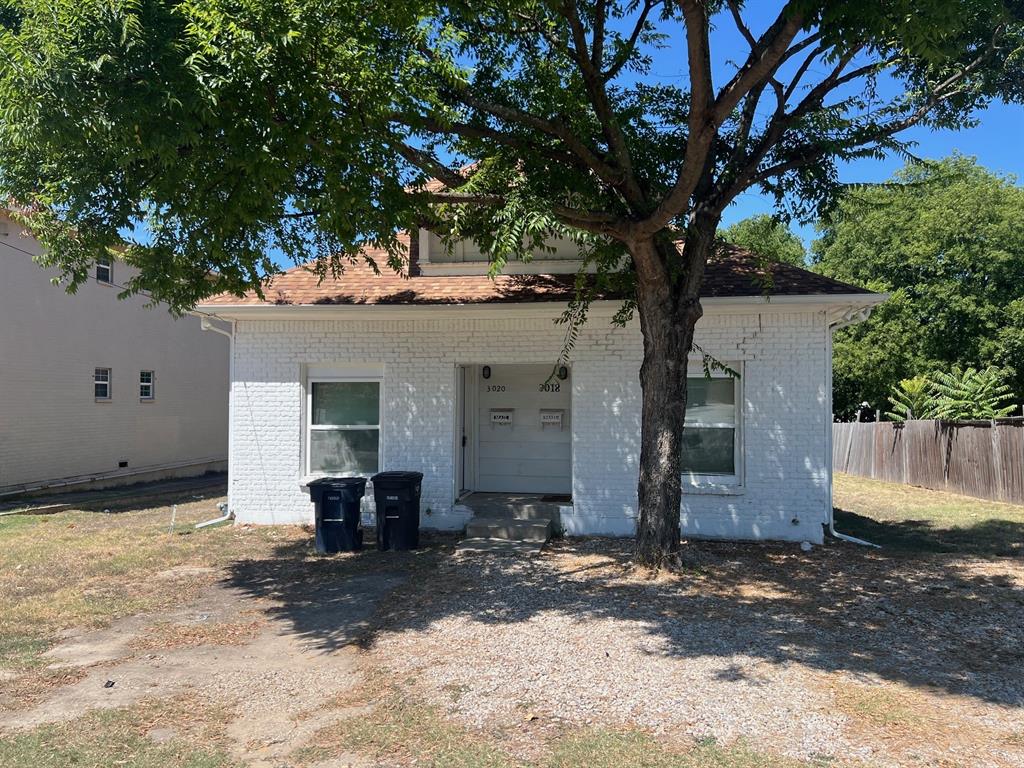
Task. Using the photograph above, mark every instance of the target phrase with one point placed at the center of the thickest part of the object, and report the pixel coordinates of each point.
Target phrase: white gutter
(851, 316)
(547, 309)
(206, 324)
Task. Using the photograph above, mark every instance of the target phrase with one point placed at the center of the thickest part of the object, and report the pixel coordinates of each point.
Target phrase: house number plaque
(501, 415)
(551, 417)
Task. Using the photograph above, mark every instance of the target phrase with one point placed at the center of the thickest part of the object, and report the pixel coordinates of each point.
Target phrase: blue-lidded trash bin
(397, 495)
(337, 501)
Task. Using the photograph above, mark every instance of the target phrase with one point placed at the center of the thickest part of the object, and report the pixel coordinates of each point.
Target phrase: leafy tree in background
(958, 394)
(766, 236)
(946, 241)
(216, 131)
(911, 399)
(961, 394)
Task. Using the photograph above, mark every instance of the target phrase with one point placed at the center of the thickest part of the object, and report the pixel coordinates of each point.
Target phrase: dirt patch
(167, 635)
(275, 679)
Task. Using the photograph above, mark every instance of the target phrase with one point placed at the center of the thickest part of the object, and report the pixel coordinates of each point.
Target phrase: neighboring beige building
(100, 391)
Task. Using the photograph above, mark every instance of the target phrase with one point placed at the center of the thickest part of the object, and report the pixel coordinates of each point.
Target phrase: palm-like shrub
(911, 399)
(960, 394)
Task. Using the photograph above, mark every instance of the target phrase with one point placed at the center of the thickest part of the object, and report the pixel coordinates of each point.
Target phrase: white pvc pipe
(848, 318)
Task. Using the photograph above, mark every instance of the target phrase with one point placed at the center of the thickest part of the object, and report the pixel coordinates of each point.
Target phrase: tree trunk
(668, 310)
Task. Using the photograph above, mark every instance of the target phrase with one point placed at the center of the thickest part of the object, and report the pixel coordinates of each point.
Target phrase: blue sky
(997, 142)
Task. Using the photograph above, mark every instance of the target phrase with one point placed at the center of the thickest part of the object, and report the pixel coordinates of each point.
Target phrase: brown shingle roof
(734, 273)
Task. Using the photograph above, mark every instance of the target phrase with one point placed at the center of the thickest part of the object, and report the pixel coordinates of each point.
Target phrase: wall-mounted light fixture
(563, 372)
(486, 371)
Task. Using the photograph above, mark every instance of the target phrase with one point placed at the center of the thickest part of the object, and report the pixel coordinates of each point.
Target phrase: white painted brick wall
(783, 496)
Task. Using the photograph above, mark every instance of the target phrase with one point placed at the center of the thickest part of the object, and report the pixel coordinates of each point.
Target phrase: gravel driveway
(838, 653)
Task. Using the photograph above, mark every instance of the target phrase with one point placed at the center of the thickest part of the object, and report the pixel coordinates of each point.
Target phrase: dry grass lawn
(236, 646)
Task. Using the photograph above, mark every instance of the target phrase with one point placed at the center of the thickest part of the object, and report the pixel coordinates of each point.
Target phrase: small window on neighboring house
(344, 427)
(709, 438)
(145, 385)
(101, 383)
(104, 270)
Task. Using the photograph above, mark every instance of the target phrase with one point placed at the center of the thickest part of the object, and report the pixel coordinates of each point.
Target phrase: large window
(709, 439)
(344, 427)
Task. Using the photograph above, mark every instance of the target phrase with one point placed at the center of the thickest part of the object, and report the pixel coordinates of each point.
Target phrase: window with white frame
(343, 427)
(145, 385)
(104, 270)
(710, 440)
(101, 383)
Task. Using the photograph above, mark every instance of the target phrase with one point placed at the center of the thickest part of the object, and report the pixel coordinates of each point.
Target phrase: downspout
(206, 324)
(847, 318)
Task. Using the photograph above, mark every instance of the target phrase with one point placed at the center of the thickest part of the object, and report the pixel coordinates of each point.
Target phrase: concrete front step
(510, 529)
(522, 512)
(498, 547)
(515, 506)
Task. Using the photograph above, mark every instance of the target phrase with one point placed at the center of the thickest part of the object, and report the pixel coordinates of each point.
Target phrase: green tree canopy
(946, 241)
(766, 236)
(216, 131)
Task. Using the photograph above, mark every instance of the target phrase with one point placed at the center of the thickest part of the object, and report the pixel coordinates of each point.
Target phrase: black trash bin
(337, 513)
(397, 495)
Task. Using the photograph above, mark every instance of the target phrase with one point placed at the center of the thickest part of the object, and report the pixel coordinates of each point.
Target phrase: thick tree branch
(457, 198)
(597, 46)
(431, 165)
(610, 127)
(766, 56)
(698, 53)
(707, 113)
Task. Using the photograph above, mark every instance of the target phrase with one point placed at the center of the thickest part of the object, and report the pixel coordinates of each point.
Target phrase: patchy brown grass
(932, 620)
(395, 726)
(909, 519)
(86, 568)
(176, 733)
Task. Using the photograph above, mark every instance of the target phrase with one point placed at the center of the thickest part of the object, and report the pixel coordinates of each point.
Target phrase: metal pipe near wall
(848, 318)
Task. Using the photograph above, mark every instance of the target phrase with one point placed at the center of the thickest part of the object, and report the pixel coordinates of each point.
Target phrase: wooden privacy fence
(976, 458)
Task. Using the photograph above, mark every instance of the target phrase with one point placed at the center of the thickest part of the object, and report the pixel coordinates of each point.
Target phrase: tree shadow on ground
(989, 537)
(922, 619)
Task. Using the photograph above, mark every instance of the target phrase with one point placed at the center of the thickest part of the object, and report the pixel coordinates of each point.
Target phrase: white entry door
(524, 431)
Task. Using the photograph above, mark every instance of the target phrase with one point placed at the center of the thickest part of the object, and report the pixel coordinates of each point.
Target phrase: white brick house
(449, 373)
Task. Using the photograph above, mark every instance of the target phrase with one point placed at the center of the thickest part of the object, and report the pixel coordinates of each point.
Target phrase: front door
(524, 431)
